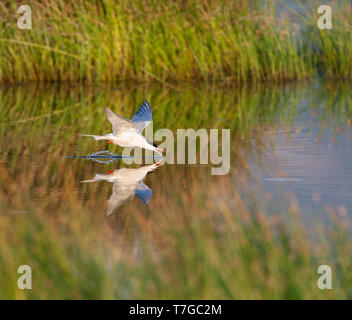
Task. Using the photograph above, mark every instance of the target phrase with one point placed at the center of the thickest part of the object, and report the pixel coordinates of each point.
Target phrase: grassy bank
(110, 41)
(330, 49)
(150, 40)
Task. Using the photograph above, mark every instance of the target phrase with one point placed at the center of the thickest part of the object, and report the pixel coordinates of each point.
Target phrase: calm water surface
(285, 140)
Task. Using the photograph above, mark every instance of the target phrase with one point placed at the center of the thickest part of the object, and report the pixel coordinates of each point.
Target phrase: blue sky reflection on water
(313, 163)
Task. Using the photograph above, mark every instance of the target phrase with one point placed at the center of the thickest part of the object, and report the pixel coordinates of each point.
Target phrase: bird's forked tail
(96, 137)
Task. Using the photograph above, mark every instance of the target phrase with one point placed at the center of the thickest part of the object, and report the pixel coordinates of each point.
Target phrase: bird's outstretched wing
(143, 192)
(143, 116)
(118, 197)
(119, 124)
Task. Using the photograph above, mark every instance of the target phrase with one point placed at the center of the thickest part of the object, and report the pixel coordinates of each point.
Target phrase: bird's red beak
(110, 141)
(110, 172)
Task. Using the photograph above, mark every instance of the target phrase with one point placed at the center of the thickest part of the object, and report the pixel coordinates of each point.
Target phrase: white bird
(128, 133)
(127, 184)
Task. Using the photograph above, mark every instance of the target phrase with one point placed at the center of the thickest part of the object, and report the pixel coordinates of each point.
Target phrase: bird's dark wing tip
(144, 113)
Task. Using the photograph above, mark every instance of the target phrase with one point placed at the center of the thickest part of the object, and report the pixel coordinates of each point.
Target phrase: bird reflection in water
(127, 183)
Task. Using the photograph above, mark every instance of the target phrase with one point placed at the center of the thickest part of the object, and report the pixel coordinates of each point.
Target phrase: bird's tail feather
(97, 177)
(96, 137)
(91, 180)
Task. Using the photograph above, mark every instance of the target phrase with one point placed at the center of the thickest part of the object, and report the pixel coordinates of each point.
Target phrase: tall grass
(150, 40)
(330, 48)
(334, 45)
(167, 41)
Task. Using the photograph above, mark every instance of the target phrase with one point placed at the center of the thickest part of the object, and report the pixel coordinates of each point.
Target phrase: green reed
(330, 49)
(108, 40)
(335, 51)
(171, 41)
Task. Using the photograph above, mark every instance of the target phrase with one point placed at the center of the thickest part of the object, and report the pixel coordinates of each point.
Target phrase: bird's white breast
(130, 138)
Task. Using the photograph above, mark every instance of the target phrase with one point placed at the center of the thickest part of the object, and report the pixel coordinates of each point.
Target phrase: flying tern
(128, 133)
